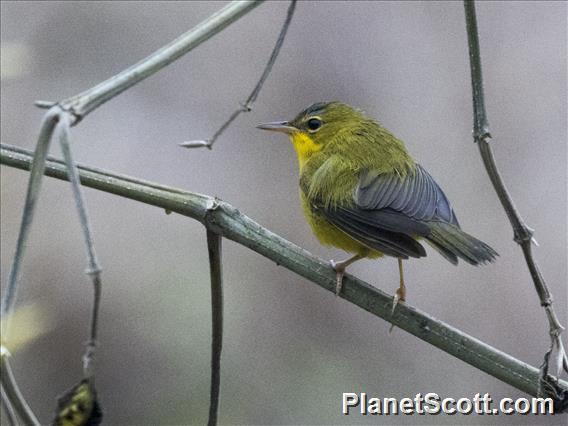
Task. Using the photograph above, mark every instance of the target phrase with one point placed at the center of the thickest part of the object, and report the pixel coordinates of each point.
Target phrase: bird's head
(316, 126)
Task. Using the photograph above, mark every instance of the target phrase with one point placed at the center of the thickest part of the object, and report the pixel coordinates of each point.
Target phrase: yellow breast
(325, 232)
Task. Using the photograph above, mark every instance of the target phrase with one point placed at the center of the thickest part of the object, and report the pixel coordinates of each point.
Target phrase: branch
(34, 185)
(215, 267)
(7, 408)
(59, 117)
(11, 393)
(80, 105)
(523, 235)
(93, 269)
(247, 105)
(85, 102)
(227, 221)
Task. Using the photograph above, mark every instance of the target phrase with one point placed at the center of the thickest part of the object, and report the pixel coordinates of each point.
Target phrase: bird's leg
(339, 268)
(400, 293)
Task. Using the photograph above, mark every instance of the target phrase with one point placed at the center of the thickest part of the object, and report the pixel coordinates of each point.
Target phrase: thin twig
(230, 223)
(215, 266)
(9, 411)
(44, 104)
(93, 268)
(34, 184)
(12, 392)
(523, 235)
(247, 105)
(85, 102)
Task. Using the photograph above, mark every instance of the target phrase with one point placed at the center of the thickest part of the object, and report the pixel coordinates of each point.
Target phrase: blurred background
(291, 349)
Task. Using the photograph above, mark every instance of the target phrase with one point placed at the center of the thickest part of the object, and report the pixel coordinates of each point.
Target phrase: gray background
(290, 348)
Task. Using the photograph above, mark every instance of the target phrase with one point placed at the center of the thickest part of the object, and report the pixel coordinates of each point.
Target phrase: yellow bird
(362, 192)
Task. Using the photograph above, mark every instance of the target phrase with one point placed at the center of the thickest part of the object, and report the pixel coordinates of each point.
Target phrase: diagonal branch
(7, 408)
(523, 235)
(247, 105)
(85, 102)
(230, 223)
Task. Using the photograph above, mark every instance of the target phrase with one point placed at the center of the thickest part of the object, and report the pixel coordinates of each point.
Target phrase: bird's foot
(339, 268)
(399, 296)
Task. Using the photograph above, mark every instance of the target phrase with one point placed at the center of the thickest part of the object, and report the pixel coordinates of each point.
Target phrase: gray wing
(377, 230)
(415, 196)
(390, 212)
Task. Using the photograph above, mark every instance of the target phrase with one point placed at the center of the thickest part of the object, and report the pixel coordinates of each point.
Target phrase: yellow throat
(304, 146)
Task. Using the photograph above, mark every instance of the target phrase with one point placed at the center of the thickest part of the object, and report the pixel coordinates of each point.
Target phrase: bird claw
(338, 283)
(399, 296)
(339, 270)
(395, 300)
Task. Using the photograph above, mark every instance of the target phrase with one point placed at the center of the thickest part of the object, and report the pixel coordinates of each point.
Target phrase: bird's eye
(313, 124)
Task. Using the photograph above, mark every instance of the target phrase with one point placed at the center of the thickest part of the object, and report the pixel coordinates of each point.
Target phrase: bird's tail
(451, 242)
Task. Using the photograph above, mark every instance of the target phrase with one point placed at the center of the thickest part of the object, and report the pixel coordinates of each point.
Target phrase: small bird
(362, 192)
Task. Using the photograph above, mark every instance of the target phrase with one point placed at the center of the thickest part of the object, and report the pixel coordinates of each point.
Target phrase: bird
(362, 192)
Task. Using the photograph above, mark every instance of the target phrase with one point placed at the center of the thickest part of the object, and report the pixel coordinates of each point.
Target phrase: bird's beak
(278, 126)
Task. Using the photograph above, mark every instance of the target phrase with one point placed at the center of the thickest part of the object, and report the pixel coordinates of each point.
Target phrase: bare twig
(7, 408)
(93, 268)
(79, 106)
(215, 266)
(34, 184)
(247, 105)
(44, 104)
(523, 235)
(85, 102)
(12, 392)
(230, 223)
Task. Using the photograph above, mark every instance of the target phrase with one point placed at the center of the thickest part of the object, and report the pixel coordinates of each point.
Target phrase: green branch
(227, 221)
